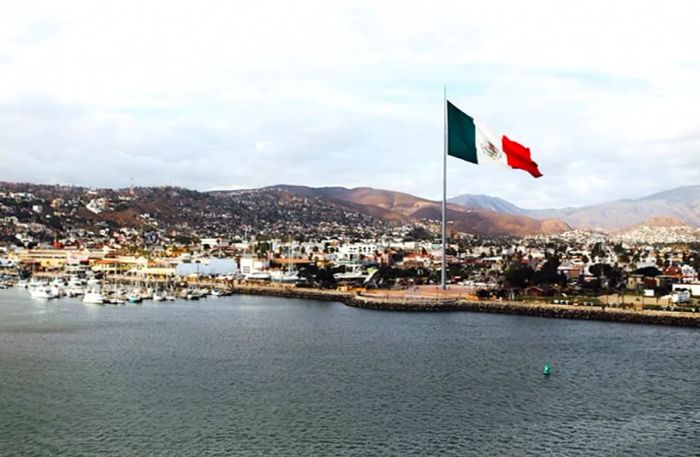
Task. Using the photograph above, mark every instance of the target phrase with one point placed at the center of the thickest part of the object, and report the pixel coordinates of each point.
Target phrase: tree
(549, 273)
(263, 247)
(598, 250)
(418, 234)
(319, 277)
(648, 272)
(483, 294)
(518, 276)
(612, 273)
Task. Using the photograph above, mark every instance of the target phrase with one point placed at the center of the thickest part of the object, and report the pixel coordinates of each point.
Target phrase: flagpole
(444, 193)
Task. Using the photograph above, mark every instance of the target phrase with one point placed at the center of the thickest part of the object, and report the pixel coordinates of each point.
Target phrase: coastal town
(103, 246)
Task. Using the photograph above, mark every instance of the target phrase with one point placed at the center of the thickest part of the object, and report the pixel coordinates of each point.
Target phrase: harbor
(120, 290)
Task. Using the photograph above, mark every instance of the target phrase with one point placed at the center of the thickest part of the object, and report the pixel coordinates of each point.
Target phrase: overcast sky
(212, 95)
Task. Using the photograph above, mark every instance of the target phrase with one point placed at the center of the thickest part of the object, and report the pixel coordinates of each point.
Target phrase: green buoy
(547, 369)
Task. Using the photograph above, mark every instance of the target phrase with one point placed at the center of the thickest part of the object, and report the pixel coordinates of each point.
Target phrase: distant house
(570, 270)
(534, 291)
(211, 243)
(635, 282)
(97, 205)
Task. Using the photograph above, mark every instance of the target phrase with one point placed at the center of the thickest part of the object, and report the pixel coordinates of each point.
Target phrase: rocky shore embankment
(358, 300)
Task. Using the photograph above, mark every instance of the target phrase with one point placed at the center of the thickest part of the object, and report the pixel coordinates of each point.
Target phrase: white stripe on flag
(489, 147)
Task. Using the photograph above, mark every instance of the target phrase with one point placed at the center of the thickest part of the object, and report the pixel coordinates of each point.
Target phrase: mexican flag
(469, 140)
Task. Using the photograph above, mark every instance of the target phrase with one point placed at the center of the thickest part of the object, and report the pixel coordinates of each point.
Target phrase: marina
(121, 291)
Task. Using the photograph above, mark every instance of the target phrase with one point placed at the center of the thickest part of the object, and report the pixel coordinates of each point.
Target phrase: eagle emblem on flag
(491, 150)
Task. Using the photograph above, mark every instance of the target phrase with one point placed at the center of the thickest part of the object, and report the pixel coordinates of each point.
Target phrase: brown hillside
(393, 206)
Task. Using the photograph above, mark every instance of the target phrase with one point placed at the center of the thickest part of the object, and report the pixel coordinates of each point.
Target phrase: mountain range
(488, 215)
(322, 211)
(677, 205)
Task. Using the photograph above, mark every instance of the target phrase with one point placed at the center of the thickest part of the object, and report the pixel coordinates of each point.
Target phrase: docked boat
(352, 273)
(57, 291)
(286, 277)
(258, 276)
(74, 288)
(94, 297)
(43, 292)
(114, 300)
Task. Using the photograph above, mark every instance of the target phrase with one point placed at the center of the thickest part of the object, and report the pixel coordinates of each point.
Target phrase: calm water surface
(265, 376)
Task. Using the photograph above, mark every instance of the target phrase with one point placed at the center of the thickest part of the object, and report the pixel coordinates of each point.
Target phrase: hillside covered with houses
(267, 234)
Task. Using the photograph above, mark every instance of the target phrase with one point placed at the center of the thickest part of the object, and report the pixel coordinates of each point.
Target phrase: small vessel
(192, 295)
(353, 272)
(134, 297)
(114, 299)
(94, 297)
(74, 287)
(43, 292)
(287, 277)
(258, 276)
(157, 296)
(146, 294)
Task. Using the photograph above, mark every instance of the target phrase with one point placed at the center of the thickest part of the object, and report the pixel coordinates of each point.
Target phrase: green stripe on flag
(461, 134)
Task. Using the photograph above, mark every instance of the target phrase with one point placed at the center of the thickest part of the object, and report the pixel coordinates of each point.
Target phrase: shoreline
(412, 303)
(355, 300)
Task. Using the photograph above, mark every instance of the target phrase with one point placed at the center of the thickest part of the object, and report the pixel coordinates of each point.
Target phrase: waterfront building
(207, 267)
(57, 259)
(249, 264)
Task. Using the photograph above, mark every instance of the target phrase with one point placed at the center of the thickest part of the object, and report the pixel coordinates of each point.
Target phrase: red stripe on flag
(519, 157)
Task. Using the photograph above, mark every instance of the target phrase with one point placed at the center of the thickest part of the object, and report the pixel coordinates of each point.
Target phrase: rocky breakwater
(291, 292)
(527, 309)
(423, 304)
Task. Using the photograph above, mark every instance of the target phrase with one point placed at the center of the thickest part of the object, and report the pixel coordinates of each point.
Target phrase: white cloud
(213, 93)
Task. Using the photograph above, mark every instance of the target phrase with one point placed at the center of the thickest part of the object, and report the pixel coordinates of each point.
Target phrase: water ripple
(258, 376)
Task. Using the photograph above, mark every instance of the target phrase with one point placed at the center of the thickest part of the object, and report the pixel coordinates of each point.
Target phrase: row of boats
(96, 292)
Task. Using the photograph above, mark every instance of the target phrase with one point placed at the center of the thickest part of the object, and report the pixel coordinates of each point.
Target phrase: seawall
(531, 309)
(356, 300)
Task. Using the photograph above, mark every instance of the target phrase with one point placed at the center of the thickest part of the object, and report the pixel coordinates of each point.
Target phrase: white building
(253, 265)
(356, 251)
(214, 242)
(97, 205)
